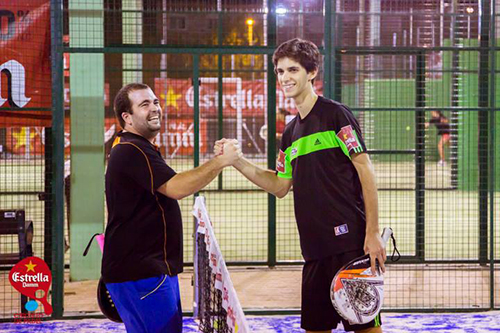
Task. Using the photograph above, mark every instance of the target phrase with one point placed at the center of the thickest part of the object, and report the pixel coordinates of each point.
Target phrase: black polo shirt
(144, 233)
(316, 154)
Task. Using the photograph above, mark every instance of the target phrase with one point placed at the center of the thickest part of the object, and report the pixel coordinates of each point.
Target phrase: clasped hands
(228, 150)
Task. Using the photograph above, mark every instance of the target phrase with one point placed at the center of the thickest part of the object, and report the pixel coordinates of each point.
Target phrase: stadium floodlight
(281, 11)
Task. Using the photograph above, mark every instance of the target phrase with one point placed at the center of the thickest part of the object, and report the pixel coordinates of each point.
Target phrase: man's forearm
(189, 182)
(366, 174)
(263, 178)
(371, 207)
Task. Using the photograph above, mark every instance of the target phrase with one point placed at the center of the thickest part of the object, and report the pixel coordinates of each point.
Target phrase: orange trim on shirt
(147, 161)
(116, 141)
(153, 192)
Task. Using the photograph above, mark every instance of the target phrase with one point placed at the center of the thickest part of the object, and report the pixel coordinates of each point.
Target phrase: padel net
(216, 305)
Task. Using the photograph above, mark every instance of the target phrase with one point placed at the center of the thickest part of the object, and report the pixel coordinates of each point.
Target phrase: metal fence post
(58, 159)
(491, 152)
(271, 133)
(483, 122)
(420, 158)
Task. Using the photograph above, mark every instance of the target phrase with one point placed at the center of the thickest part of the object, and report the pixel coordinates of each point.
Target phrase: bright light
(250, 21)
(280, 11)
(469, 10)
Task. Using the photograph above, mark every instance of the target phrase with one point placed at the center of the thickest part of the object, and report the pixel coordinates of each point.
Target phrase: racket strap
(88, 245)
(395, 250)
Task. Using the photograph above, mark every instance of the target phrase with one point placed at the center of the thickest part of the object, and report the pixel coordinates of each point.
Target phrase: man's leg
(440, 149)
(317, 312)
(149, 305)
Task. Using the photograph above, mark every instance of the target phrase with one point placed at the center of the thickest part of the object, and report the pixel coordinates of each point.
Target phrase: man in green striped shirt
(323, 156)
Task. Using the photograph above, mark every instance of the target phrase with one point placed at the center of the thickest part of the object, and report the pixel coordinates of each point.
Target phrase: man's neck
(132, 130)
(305, 103)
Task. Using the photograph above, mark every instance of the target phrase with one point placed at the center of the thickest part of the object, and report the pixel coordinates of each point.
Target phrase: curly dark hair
(304, 52)
(122, 101)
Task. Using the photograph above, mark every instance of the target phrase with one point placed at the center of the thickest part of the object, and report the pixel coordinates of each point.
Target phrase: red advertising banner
(179, 137)
(29, 141)
(177, 100)
(248, 97)
(176, 140)
(25, 68)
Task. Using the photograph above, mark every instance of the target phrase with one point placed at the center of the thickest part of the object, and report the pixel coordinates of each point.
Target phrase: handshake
(228, 151)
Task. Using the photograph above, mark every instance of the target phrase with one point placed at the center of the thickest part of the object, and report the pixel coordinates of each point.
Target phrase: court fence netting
(394, 63)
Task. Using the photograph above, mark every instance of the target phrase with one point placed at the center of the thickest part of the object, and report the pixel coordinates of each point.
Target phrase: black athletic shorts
(318, 313)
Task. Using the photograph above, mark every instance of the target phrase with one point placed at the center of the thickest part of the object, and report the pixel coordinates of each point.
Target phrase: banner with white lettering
(247, 97)
(25, 67)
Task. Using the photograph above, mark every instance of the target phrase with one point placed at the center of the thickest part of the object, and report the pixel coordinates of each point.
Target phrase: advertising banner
(25, 67)
(244, 106)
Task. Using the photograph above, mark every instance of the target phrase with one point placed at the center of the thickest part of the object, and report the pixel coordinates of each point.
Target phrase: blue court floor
(392, 323)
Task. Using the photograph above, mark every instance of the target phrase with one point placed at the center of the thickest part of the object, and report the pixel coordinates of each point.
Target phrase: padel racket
(104, 300)
(357, 294)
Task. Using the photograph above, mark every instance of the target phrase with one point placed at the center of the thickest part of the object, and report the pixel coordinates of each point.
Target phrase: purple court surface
(393, 323)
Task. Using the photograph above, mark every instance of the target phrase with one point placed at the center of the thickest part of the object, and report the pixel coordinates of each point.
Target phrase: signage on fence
(25, 67)
(32, 278)
(179, 137)
(30, 141)
(246, 98)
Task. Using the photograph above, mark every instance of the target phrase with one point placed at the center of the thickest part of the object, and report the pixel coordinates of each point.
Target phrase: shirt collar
(133, 136)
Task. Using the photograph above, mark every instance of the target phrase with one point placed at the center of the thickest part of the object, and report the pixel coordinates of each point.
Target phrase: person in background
(443, 131)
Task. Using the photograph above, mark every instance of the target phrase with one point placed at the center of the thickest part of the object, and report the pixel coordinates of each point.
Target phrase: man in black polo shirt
(323, 155)
(143, 240)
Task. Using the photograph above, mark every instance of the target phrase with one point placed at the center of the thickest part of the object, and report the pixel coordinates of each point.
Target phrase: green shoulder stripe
(315, 142)
(310, 144)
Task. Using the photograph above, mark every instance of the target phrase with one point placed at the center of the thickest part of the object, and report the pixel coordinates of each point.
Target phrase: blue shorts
(149, 305)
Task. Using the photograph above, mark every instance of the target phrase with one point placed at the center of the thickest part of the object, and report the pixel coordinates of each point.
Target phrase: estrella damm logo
(32, 278)
(280, 163)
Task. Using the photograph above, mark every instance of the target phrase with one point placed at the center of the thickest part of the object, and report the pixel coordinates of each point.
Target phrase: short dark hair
(122, 101)
(304, 52)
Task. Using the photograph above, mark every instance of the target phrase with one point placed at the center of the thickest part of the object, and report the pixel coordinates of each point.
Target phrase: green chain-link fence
(209, 62)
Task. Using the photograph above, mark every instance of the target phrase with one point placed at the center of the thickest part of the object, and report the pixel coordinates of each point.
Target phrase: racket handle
(386, 234)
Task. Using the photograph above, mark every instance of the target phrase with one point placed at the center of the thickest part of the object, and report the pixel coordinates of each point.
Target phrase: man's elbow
(281, 193)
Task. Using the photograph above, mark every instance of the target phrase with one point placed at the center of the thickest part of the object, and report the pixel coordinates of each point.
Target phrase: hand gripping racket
(356, 293)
